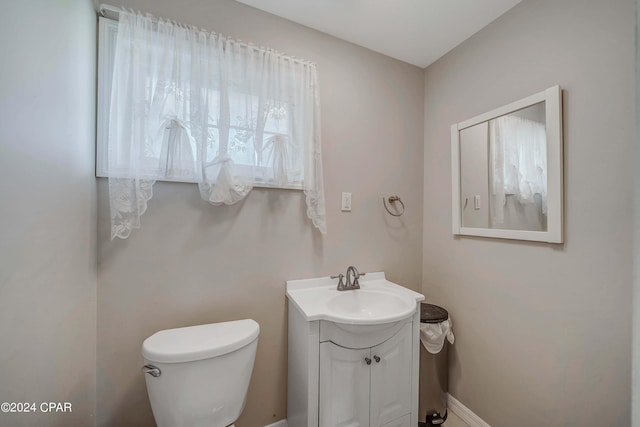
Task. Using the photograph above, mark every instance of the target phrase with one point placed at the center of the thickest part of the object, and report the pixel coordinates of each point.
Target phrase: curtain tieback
(171, 122)
(222, 159)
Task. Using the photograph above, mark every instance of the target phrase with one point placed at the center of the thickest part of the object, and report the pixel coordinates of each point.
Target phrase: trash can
(435, 330)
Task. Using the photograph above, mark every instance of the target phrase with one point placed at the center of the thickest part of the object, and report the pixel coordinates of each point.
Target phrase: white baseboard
(281, 423)
(464, 413)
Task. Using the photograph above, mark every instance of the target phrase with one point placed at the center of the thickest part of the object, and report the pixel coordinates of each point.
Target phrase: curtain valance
(189, 105)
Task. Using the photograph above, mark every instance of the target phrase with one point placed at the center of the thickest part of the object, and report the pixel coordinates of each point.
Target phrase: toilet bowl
(198, 376)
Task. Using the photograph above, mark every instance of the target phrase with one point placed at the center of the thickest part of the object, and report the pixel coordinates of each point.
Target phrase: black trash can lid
(431, 313)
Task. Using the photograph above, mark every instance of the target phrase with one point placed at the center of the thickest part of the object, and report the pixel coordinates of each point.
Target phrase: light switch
(476, 202)
(346, 202)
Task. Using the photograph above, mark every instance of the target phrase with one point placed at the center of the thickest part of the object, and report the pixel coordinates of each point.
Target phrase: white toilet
(198, 376)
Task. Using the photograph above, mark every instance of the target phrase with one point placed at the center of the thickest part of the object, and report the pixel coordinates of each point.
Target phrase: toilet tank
(204, 373)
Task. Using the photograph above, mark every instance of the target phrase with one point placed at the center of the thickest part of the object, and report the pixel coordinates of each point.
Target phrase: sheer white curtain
(518, 150)
(188, 105)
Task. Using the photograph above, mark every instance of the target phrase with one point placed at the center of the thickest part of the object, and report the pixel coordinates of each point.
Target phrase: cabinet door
(391, 378)
(400, 422)
(344, 386)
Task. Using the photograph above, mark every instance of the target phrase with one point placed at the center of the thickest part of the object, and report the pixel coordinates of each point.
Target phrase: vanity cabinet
(353, 355)
(369, 386)
(352, 375)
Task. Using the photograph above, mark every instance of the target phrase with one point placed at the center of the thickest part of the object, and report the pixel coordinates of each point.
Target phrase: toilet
(198, 376)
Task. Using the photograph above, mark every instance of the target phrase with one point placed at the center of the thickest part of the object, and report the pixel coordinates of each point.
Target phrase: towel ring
(393, 199)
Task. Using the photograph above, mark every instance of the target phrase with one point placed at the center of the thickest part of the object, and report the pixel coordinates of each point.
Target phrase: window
(180, 104)
(243, 150)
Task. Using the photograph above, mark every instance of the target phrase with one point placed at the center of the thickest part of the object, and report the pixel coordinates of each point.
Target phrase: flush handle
(154, 371)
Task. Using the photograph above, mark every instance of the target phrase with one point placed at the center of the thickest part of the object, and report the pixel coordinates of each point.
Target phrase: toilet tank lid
(199, 342)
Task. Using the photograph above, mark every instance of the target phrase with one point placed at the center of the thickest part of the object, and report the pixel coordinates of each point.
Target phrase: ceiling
(415, 31)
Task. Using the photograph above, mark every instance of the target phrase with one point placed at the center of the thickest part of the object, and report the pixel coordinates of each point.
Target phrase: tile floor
(454, 421)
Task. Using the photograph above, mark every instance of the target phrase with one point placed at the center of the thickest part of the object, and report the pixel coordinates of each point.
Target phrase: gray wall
(635, 409)
(542, 331)
(47, 215)
(193, 263)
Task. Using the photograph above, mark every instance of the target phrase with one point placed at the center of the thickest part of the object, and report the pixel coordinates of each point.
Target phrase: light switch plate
(346, 202)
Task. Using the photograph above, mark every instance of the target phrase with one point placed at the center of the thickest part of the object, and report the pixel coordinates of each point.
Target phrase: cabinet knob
(377, 359)
(367, 360)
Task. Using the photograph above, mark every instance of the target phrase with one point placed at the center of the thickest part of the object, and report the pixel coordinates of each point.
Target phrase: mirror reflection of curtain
(518, 155)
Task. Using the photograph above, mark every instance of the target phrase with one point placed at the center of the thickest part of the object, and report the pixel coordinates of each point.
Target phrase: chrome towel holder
(393, 200)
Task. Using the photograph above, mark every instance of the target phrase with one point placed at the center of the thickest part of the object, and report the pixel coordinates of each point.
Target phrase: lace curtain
(518, 150)
(188, 105)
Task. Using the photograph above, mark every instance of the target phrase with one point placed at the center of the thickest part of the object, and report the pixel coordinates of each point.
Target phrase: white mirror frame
(553, 108)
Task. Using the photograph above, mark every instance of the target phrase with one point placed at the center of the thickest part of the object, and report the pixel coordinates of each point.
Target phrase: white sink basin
(370, 304)
(378, 301)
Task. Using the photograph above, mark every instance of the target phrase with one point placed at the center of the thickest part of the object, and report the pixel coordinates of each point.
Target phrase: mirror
(507, 171)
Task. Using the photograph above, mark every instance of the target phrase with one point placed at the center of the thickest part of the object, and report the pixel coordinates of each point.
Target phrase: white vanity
(353, 354)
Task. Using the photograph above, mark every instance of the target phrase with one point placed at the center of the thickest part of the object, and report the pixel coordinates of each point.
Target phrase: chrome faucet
(352, 272)
(352, 279)
(340, 282)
